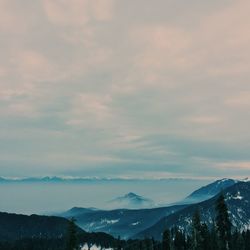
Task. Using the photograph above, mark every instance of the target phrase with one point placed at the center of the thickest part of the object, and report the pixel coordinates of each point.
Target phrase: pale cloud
(65, 13)
(240, 165)
(224, 39)
(12, 19)
(203, 120)
(103, 10)
(90, 110)
(19, 109)
(33, 65)
(241, 100)
(160, 50)
(126, 84)
(77, 13)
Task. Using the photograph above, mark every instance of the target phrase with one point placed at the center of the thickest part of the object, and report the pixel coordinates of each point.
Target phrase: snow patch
(136, 223)
(94, 247)
(238, 197)
(105, 221)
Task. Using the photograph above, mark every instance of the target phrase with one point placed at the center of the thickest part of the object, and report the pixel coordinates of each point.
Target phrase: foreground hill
(15, 226)
(238, 201)
(16, 229)
(119, 222)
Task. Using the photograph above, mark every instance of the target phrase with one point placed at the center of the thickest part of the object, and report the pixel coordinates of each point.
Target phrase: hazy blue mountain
(209, 190)
(237, 198)
(131, 201)
(119, 222)
(75, 211)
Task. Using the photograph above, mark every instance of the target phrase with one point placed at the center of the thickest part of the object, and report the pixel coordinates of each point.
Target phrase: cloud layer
(124, 88)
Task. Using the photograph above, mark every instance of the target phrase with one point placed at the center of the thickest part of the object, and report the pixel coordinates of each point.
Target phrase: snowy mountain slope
(237, 198)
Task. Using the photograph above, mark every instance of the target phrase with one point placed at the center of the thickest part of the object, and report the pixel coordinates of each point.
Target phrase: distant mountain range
(51, 179)
(80, 179)
(152, 222)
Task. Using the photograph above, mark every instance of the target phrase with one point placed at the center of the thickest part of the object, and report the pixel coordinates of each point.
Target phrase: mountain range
(140, 223)
(134, 223)
(76, 179)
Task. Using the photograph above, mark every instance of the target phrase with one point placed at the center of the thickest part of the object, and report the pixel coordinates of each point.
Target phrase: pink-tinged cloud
(160, 47)
(135, 68)
(90, 108)
(103, 10)
(34, 65)
(10, 19)
(237, 165)
(67, 13)
(78, 13)
(203, 120)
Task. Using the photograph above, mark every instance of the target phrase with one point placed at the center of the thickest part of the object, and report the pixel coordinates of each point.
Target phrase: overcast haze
(133, 88)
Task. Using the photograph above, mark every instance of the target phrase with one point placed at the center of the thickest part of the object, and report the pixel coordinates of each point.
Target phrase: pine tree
(71, 243)
(205, 237)
(196, 231)
(166, 240)
(223, 224)
(237, 241)
(246, 238)
(179, 240)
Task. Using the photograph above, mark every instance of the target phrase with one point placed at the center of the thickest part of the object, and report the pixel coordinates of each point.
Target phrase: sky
(135, 88)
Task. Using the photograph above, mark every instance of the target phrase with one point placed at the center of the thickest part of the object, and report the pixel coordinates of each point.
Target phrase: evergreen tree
(179, 240)
(196, 231)
(213, 237)
(166, 240)
(71, 243)
(237, 242)
(223, 224)
(205, 237)
(246, 238)
(188, 242)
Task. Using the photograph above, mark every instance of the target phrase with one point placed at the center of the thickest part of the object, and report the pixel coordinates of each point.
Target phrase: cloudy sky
(134, 88)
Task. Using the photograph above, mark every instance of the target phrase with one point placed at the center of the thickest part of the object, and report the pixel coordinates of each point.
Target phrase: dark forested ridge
(42, 232)
(16, 226)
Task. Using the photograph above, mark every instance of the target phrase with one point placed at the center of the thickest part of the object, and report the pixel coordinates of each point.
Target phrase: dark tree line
(221, 236)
